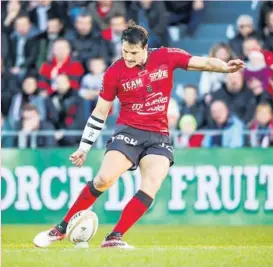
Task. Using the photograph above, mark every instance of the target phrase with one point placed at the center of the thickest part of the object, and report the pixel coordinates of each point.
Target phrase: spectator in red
(69, 107)
(61, 63)
(262, 127)
(102, 11)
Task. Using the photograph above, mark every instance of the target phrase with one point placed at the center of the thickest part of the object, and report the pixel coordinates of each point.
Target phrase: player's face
(134, 54)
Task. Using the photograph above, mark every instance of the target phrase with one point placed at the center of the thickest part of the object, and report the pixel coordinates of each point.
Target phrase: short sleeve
(109, 86)
(178, 58)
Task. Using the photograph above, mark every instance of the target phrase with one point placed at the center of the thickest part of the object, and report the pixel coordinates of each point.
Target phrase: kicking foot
(114, 240)
(45, 238)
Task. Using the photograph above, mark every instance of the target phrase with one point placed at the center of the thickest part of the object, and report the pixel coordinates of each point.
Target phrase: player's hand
(235, 65)
(78, 157)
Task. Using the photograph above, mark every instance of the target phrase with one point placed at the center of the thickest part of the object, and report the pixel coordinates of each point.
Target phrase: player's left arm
(214, 64)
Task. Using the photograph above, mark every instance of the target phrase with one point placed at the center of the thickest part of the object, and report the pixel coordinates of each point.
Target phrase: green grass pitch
(156, 246)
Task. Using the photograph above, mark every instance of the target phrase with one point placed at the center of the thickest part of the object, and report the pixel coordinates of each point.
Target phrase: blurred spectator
(86, 40)
(185, 12)
(256, 68)
(268, 31)
(212, 81)
(152, 16)
(173, 114)
(188, 125)
(30, 95)
(5, 46)
(24, 46)
(262, 127)
(31, 121)
(70, 111)
(250, 44)
(9, 87)
(103, 10)
(260, 93)
(231, 127)
(192, 106)
(118, 24)
(266, 7)
(236, 94)
(91, 84)
(73, 9)
(245, 26)
(54, 31)
(6, 141)
(61, 63)
(12, 10)
(46, 10)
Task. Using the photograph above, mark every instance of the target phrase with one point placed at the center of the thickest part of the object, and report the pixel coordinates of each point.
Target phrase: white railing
(100, 143)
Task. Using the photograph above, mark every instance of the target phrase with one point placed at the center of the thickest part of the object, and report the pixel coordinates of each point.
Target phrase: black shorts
(135, 144)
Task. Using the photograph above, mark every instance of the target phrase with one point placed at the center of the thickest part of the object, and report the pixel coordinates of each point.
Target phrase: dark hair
(135, 34)
(84, 14)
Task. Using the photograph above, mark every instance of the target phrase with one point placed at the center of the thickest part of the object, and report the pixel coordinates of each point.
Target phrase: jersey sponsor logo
(155, 103)
(132, 84)
(158, 75)
(128, 140)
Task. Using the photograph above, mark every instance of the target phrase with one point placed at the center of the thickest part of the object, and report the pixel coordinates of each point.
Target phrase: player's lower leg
(132, 212)
(87, 198)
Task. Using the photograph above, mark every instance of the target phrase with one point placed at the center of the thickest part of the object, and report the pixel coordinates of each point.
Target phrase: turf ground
(157, 246)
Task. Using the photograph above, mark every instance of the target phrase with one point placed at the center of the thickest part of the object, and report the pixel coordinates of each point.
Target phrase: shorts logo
(163, 145)
(130, 141)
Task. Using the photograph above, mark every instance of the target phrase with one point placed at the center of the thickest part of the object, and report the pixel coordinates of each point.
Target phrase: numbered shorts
(135, 144)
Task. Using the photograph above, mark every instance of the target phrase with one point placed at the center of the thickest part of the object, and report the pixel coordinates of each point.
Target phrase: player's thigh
(154, 169)
(113, 165)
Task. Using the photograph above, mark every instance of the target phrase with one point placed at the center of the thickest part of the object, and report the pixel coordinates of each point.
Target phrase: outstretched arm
(214, 64)
(92, 130)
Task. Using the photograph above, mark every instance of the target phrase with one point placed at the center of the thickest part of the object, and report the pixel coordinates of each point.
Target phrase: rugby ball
(82, 227)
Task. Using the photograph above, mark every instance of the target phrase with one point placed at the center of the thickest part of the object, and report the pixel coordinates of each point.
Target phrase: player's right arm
(96, 121)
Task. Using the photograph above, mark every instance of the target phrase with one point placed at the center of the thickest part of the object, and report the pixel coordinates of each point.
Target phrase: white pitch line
(39, 250)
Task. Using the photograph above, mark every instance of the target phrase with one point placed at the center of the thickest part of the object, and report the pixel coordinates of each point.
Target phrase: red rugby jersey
(144, 92)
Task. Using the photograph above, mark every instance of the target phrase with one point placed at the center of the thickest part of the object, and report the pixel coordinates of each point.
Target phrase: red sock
(133, 211)
(87, 197)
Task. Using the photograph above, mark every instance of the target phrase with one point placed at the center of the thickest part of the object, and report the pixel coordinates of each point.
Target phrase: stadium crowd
(54, 55)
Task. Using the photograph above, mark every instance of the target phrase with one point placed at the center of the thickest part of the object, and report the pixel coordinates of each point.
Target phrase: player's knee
(153, 182)
(103, 181)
